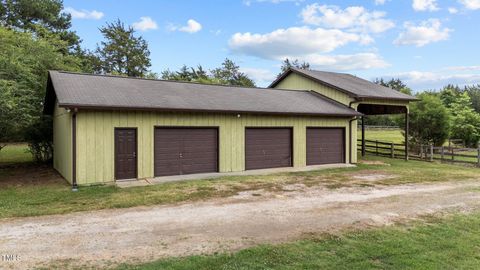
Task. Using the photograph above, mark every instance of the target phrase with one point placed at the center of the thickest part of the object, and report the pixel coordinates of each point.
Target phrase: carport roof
(353, 86)
(88, 91)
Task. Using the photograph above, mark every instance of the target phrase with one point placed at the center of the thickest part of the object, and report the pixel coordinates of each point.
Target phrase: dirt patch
(29, 175)
(108, 237)
(367, 176)
(373, 162)
(374, 177)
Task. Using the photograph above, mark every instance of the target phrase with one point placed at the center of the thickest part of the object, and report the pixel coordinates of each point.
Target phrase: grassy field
(395, 136)
(449, 243)
(15, 153)
(33, 191)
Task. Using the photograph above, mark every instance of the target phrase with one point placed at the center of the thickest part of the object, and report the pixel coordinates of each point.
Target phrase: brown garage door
(325, 146)
(185, 151)
(268, 148)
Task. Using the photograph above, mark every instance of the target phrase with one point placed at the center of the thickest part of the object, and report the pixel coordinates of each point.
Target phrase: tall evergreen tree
(230, 74)
(122, 52)
(395, 84)
(41, 17)
(287, 63)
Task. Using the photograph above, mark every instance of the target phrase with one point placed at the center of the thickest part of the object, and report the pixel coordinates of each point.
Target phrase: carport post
(363, 136)
(406, 134)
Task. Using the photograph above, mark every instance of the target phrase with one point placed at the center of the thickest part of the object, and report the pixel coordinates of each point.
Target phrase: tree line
(451, 113)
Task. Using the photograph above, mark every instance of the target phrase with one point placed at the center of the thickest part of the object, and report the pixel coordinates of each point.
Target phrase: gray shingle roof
(114, 92)
(351, 85)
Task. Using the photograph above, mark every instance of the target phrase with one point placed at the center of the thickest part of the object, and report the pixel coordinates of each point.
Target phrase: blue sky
(427, 43)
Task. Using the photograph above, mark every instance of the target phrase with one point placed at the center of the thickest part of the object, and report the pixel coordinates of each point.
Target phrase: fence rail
(423, 152)
(369, 127)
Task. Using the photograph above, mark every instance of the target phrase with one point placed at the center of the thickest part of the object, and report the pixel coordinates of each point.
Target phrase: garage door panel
(325, 146)
(185, 151)
(268, 148)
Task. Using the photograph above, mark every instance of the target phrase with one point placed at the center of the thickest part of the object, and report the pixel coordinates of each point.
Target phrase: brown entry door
(185, 151)
(268, 148)
(325, 146)
(125, 153)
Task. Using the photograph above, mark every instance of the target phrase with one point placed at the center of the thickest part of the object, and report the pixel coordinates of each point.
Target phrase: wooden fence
(423, 152)
(382, 148)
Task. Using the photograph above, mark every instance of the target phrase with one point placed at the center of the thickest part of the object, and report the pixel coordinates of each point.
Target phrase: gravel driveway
(108, 237)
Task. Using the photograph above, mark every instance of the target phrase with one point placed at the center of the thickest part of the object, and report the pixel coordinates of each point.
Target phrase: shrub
(429, 121)
(465, 121)
(39, 136)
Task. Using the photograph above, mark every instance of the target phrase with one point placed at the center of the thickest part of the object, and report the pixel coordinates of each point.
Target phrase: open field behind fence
(423, 152)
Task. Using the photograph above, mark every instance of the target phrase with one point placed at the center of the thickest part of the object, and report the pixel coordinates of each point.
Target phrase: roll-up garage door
(268, 148)
(185, 151)
(325, 146)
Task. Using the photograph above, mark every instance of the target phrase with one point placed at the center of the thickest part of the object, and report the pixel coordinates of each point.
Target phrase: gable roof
(353, 86)
(76, 90)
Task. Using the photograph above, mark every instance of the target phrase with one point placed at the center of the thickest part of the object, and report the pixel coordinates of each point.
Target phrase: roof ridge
(323, 71)
(172, 81)
(328, 99)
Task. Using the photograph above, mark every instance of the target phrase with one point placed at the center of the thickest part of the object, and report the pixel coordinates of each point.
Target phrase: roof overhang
(129, 108)
(348, 93)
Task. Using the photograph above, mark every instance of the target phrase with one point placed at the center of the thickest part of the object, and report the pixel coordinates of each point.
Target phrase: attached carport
(383, 109)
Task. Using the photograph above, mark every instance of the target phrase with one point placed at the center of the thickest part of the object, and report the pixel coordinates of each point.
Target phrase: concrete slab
(176, 178)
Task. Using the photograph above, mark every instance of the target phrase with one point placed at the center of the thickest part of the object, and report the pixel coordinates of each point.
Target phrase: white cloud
(145, 24)
(260, 75)
(471, 4)
(424, 80)
(291, 41)
(424, 5)
(452, 10)
(380, 2)
(191, 27)
(463, 68)
(306, 44)
(84, 14)
(355, 18)
(420, 35)
(345, 62)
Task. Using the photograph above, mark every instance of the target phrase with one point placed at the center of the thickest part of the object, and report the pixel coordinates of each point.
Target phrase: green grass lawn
(395, 136)
(32, 191)
(449, 243)
(15, 153)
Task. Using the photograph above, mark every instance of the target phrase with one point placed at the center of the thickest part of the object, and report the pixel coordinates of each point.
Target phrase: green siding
(95, 138)
(62, 142)
(298, 82)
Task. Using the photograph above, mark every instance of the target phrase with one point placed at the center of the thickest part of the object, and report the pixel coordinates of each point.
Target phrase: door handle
(134, 154)
(180, 155)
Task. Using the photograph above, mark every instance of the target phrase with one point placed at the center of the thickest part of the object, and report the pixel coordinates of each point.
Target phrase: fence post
(421, 151)
(376, 147)
(392, 150)
(478, 155)
(431, 152)
(453, 154)
(443, 153)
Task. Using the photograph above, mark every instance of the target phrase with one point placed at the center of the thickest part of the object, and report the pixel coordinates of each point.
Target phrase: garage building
(109, 128)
